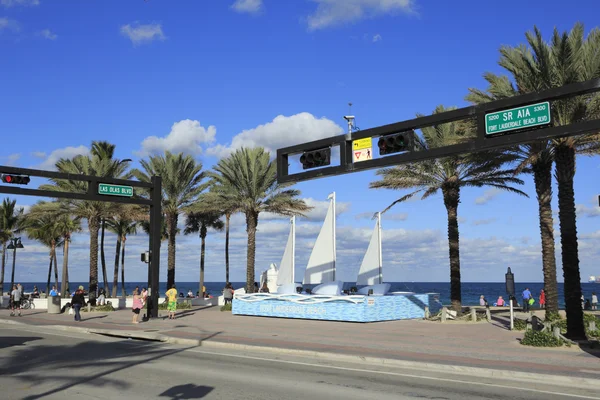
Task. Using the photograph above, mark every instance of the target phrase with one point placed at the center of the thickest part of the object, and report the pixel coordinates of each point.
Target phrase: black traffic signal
(15, 179)
(316, 158)
(395, 143)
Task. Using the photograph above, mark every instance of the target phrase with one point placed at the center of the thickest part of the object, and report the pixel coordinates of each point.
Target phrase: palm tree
(200, 222)
(121, 225)
(11, 219)
(44, 228)
(181, 185)
(449, 175)
(92, 211)
(569, 58)
(250, 178)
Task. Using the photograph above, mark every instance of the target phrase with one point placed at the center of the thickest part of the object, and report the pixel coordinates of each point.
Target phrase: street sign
(360, 144)
(517, 118)
(362, 155)
(115, 190)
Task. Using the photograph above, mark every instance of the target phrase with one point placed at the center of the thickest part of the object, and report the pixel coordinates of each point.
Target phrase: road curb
(528, 377)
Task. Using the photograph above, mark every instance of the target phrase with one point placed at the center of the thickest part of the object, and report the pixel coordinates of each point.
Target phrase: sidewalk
(455, 344)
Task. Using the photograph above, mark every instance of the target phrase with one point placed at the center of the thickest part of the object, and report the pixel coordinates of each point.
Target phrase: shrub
(104, 308)
(180, 306)
(519, 324)
(226, 307)
(541, 339)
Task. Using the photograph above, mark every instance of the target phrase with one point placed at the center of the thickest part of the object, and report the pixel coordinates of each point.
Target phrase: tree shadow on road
(62, 367)
(9, 341)
(187, 392)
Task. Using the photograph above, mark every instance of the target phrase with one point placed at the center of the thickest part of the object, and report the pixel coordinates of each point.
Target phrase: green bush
(103, 308)
(541, 339)
(226, 307)
(519, 324)
(180, 306)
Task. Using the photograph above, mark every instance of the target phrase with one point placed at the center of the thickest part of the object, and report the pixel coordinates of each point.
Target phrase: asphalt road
(36, 364)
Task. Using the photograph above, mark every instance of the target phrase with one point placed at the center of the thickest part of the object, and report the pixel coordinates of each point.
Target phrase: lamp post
(15, 243)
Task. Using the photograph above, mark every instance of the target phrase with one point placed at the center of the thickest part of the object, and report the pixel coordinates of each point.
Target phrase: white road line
(394, 374)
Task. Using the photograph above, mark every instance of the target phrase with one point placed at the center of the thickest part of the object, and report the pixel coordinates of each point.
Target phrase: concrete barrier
(53, 304)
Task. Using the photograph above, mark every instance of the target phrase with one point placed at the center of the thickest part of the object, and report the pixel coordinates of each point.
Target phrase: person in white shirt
(594, 301)
(16, 301)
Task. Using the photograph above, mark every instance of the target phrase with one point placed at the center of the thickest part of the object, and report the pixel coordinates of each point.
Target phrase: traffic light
(15, 179)
(395, 143)
(316, 158)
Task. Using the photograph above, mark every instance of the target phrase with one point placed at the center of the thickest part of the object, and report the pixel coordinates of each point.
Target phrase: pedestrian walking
(594, 301)
(77, 302)
(137, 306)
(542, 299)
(228, 293)
(526, 297)
(172, 301)
(15, 301)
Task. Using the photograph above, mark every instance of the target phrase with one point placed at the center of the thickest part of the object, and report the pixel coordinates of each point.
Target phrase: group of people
(586, 304)
(528, 301)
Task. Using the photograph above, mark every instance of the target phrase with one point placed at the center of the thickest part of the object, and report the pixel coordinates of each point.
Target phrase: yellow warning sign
(361, 144)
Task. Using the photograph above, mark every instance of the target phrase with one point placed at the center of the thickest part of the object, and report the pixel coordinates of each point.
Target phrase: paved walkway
(485, 345)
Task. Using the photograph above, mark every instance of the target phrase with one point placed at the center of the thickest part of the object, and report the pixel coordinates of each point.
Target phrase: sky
(208, 77)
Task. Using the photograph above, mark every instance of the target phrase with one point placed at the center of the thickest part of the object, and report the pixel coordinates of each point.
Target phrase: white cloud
(377, 38)
(337, 12)
(487, 196)
(281, 132)
(12, 3)
(484, 221)
(139, 34)
(9, 24)
(388, 217)
(11, 159)
(584, 210)
(320, 208)
(47, 34)
(247, 6)
(67, 152)
(39, 154)
(186, 136)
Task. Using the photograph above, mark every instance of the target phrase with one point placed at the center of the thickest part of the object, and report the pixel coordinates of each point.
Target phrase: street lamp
(15, 243)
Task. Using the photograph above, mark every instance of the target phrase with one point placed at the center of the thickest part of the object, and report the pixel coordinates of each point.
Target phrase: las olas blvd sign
(517, 118)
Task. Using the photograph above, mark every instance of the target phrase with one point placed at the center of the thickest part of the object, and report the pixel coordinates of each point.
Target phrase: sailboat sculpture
(371, 268)
(287, 268)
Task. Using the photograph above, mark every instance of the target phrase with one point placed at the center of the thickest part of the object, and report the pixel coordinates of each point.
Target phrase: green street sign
(115, 190)
(517, 118)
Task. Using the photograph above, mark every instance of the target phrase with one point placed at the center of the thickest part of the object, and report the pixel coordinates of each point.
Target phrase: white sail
(370, 270)
(287, 265)
(321, 264)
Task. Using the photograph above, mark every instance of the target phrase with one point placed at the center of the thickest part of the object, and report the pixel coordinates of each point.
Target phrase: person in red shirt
(542, 299)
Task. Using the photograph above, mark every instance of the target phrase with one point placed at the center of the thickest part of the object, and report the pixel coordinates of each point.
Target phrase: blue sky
(207, 76)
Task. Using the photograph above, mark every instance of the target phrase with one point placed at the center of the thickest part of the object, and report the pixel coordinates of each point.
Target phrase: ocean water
(470, 290)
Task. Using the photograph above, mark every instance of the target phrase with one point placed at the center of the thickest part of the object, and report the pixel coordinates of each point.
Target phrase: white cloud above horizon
(48, 34)
(337, 12)
(14, 3)
(186, 136)
(282, 131)
(49, 164)
(247, 6)
(142, 33)
(377, 38)
(487, 196)
(9, 24)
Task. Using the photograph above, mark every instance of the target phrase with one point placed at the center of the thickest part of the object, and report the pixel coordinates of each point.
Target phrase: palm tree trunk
(116, 271)
(565, 171)
(123, 267)
(55, 266)
(542, 178)
(202, 252)
(251, 222)
(49, 275)
(3, 268)
(93, 287)
(102, 257)
(451, 200)
(172, 231)
(227, 218)
(65, 273)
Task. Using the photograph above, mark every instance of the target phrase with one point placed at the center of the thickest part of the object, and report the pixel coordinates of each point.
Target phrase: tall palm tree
(44, 228)
(569, 57)
(449, 175)
(92, 211)
(11, 219)
(250, 178)
(200, 222)
(121, 225)
(181, 185)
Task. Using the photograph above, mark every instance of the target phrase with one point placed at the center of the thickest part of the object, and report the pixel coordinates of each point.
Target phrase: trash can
(54, 305)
